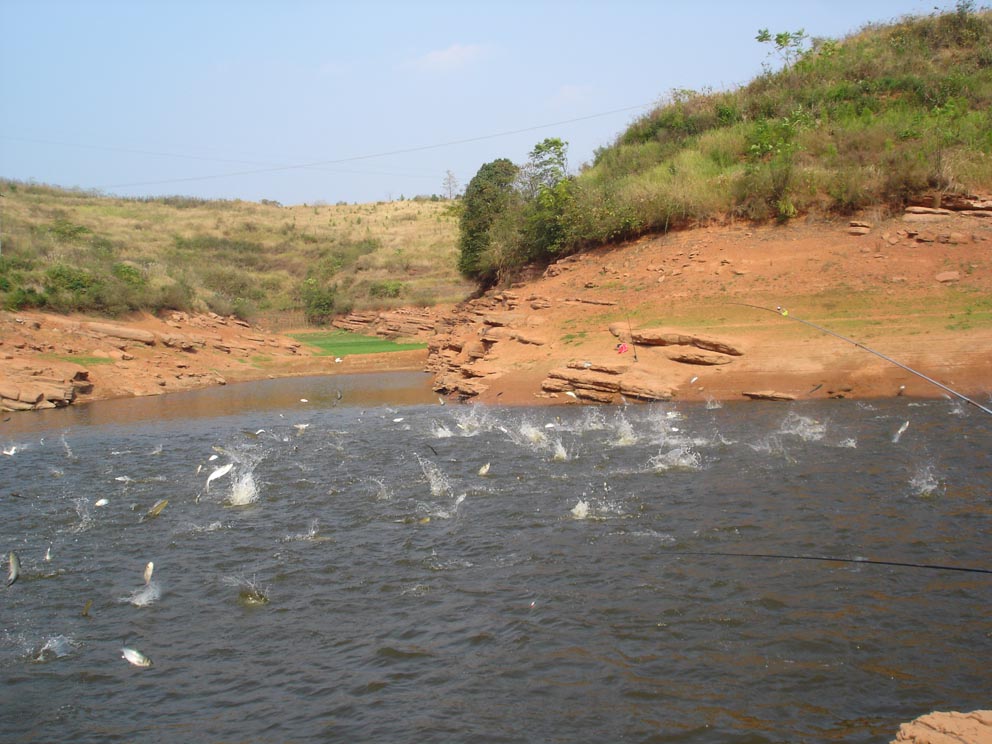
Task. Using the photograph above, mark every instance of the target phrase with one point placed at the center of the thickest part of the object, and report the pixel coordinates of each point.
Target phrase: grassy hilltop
(891, 114)
(76, 251)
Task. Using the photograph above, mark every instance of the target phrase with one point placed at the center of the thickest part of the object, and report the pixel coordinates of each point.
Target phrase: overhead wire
(370, 156)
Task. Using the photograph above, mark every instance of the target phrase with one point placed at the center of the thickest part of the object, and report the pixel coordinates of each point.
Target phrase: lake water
(353, 577)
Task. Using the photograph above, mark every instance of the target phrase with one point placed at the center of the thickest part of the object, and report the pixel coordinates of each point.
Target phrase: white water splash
(680, 458)
(379, 490)
(440, 431)
(55, 647)
(244, 491)
(806, 428)
(623, 432)
(924, 481)
(580, 510)
(144, 595)
(66, 447)
(439, 484)
(473, 420)
(309, 535)
(713, 404)
(558, 452)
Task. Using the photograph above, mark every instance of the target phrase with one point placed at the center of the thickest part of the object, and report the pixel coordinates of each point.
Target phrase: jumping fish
(219, 472)
(484, 469)
(902, 430)
(148, 572)
(14, 569)
(101, 502)
(156, 509)
(86, 608)
(134, 656)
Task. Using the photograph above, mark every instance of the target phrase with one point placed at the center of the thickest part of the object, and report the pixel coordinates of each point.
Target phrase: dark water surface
(553, 599)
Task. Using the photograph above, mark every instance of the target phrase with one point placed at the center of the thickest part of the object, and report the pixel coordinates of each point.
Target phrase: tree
(548, 189)
(488, 196)
(789, 45)
(450, 185)
(546, 167)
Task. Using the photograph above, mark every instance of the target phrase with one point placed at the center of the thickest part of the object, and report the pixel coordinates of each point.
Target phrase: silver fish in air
(134, 656)
(14, 568)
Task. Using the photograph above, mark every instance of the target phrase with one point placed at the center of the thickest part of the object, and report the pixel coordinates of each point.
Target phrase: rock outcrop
(948, 728)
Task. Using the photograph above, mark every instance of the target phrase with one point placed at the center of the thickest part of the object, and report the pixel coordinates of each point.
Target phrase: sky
(307, 102)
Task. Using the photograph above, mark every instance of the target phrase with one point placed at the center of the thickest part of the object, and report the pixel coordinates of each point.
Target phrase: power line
(154, 153)
(355, 158)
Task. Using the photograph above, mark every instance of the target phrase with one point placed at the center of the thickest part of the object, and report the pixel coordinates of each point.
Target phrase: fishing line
(942, 386)
(829, 559)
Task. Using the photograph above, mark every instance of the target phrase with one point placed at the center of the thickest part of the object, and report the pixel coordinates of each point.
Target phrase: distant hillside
(72, 251)
(892, 113)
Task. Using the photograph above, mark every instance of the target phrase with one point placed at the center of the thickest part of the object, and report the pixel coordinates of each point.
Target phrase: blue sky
(304, 101)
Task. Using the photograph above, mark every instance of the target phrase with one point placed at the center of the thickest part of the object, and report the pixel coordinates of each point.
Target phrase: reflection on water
(364, 390)
(382, 568)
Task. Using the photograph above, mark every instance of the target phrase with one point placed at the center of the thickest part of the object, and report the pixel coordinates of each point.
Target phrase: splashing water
(680, 458)
(580, 510)
(380, 491)
(473, 420)
(559, 453)
(440, 431)
(532, 434)
(924, 481)
(712, 404)
(807, 429)
(55, 648)
(250, 591)
(145, 595)
(244, 491)
(436, 479)
(624, 434)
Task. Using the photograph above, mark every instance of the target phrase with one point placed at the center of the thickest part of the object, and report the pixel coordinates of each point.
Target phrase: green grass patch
(342, 343)
(81, 360)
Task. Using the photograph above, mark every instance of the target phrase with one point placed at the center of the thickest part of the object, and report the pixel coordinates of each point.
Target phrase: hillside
(72, 251)
(851, 186)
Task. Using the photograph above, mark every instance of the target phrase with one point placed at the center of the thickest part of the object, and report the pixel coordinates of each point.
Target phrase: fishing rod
(828, 559)
(785, 314)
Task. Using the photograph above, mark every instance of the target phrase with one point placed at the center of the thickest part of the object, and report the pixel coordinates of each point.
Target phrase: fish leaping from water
(218, 473)
(14, 568)
(135, 657)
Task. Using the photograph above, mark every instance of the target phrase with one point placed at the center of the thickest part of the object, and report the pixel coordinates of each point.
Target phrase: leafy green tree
(548, 189)
(488, 195)
(789, 45)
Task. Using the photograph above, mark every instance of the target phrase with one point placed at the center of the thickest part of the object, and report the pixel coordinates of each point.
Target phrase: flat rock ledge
(39, 391)
(605, 386)
(948, 728)
(767, 395)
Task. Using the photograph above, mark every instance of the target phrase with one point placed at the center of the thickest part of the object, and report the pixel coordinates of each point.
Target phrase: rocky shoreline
(669, 317)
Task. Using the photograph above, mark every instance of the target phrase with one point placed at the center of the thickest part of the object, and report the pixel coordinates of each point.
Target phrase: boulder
(121, 332)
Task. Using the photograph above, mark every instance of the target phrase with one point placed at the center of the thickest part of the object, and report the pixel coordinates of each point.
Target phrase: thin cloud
(455, 57)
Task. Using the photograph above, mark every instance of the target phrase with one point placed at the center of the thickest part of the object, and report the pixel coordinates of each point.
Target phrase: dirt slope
(917, 288)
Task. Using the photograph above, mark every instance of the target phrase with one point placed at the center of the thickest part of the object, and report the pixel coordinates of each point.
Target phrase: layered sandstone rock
(948, 728)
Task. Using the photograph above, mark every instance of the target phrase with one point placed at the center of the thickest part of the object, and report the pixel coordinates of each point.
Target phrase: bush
(386, 289)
